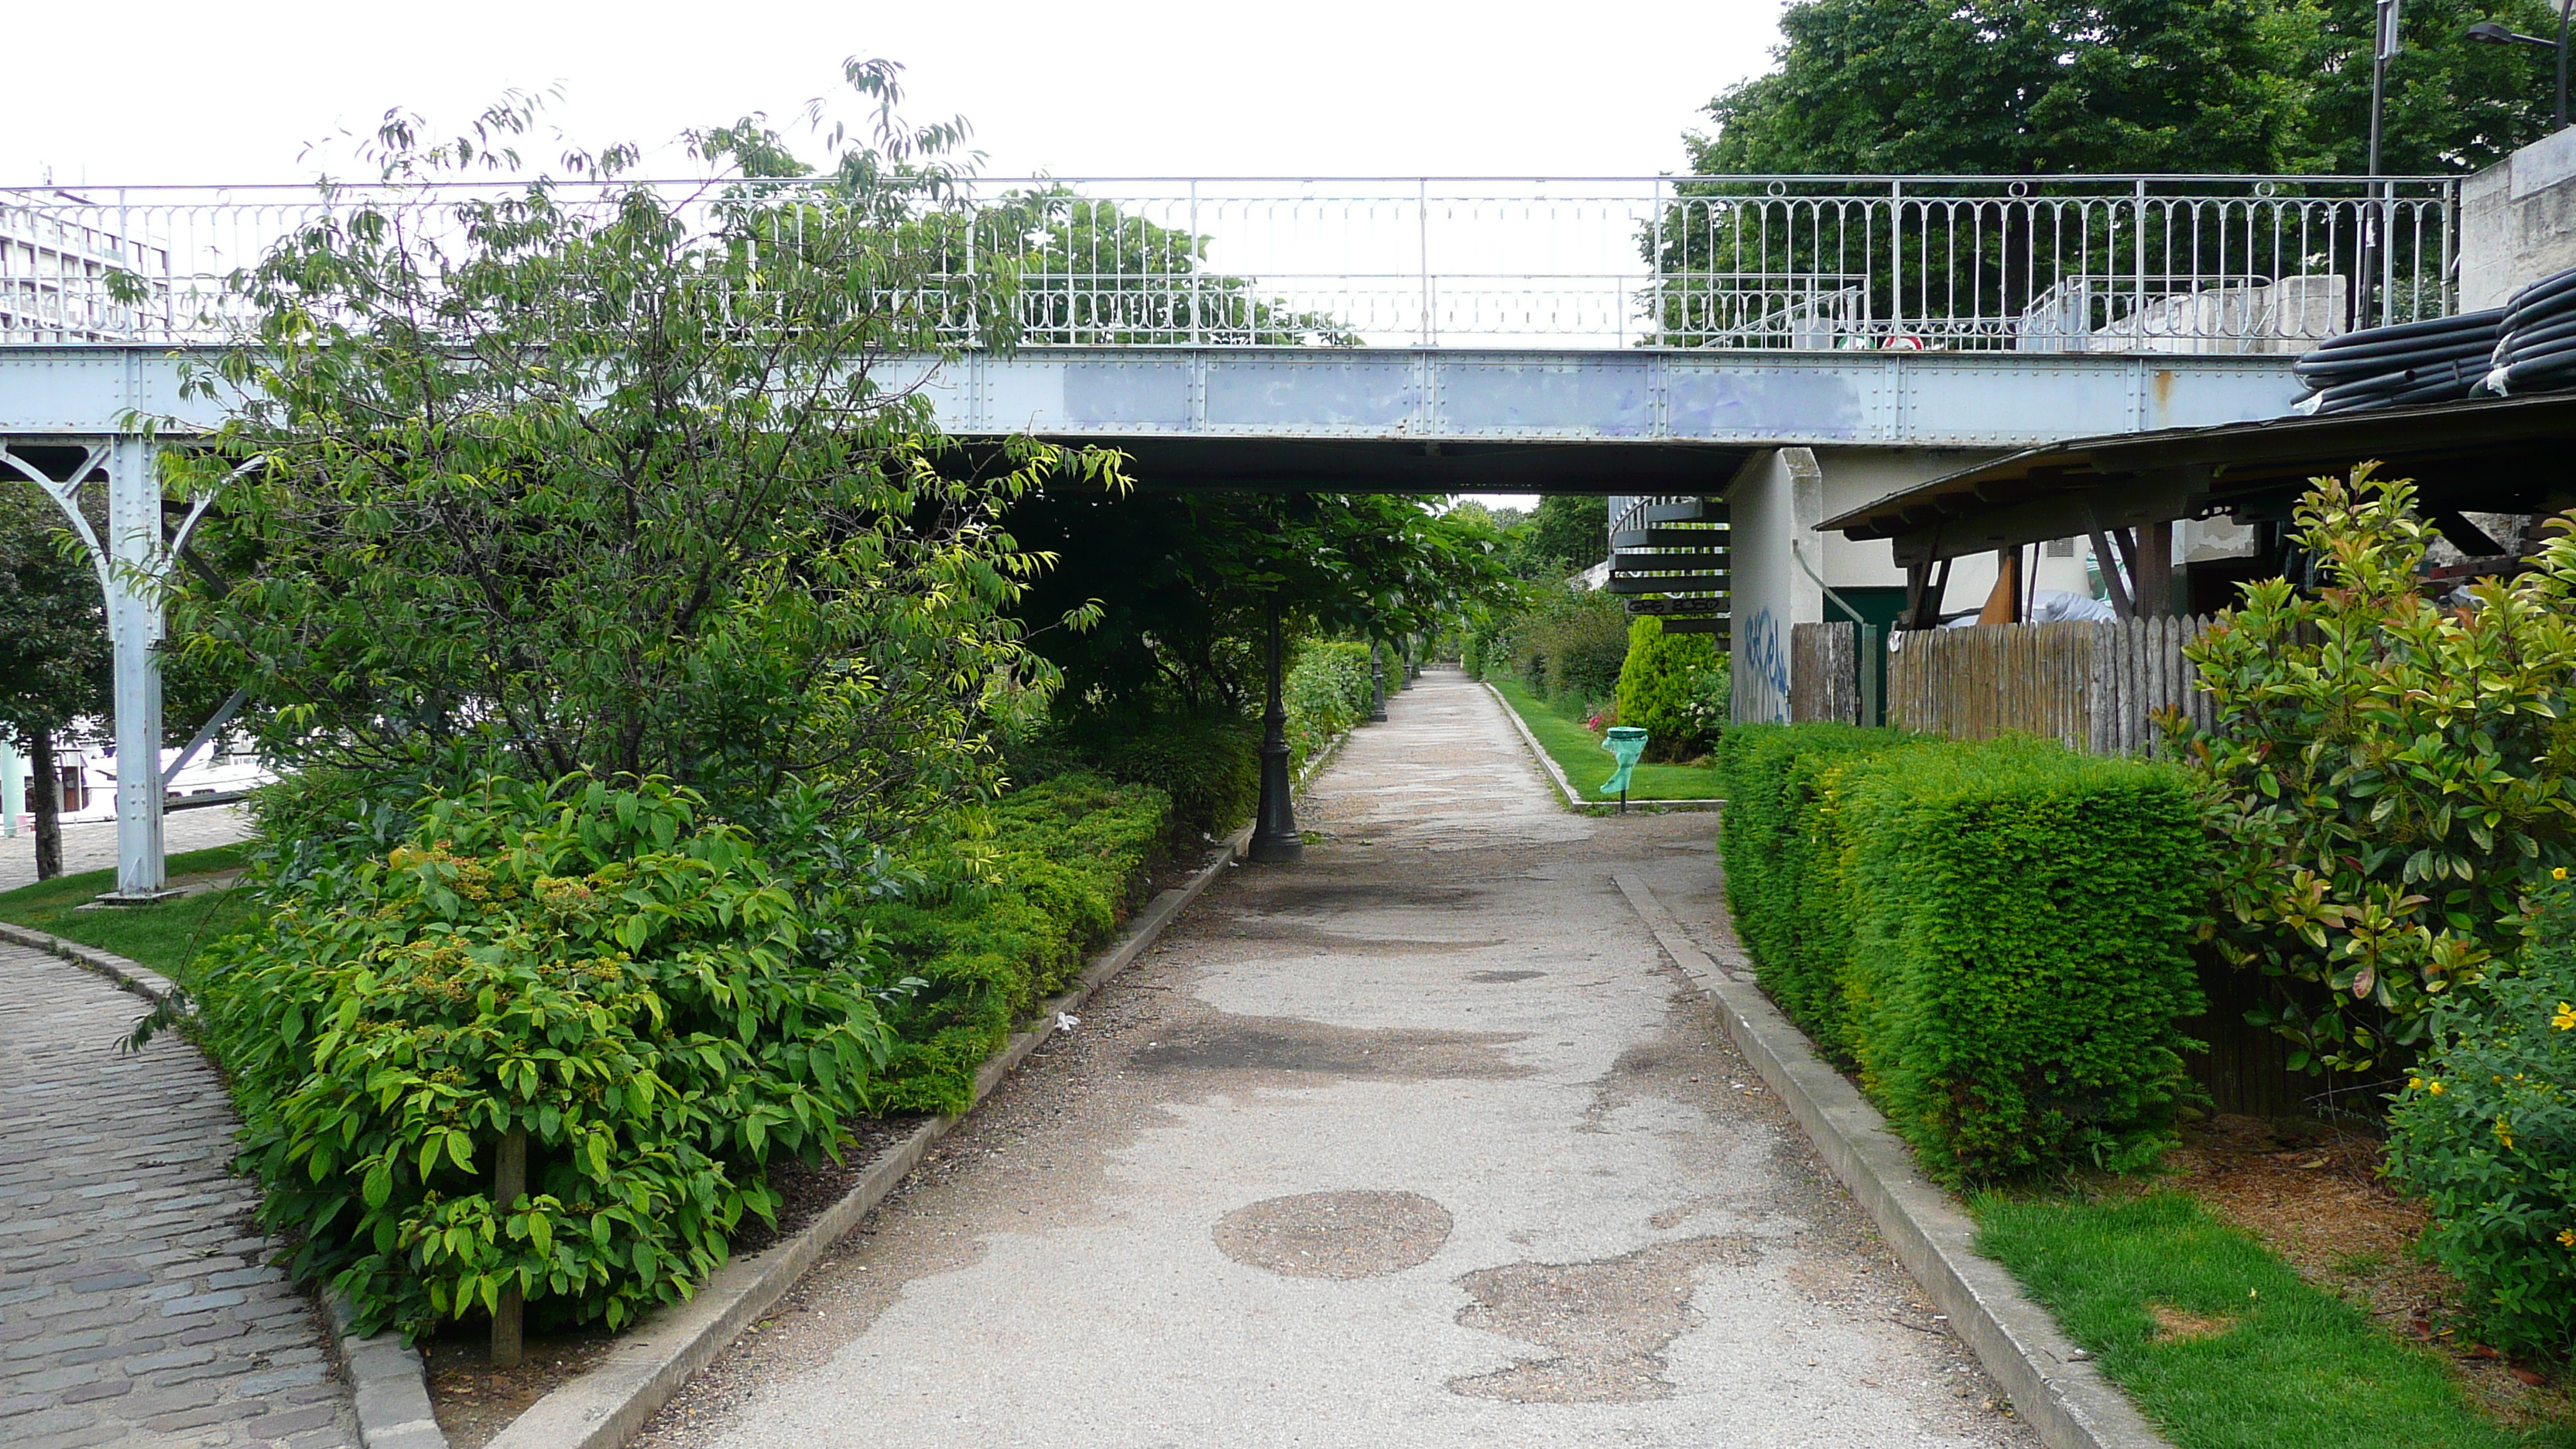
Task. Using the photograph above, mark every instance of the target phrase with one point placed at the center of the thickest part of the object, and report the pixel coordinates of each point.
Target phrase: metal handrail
(2165, 262)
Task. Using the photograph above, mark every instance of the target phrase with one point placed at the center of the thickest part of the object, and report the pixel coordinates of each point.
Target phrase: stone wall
(2518, 221)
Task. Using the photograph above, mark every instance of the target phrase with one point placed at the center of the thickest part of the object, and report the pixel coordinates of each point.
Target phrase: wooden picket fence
(2095, 687)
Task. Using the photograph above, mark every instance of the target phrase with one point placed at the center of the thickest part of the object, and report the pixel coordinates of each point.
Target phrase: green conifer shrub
(1659, 683)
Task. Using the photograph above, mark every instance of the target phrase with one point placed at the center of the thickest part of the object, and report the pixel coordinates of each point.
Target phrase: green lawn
(1578, 753)
(2261, 1361)
(164, 937)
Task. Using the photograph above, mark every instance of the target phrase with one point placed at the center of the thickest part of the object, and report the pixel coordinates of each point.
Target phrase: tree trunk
(45, 800)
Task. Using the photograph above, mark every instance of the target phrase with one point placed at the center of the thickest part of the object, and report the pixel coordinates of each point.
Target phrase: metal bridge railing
(2047, 264)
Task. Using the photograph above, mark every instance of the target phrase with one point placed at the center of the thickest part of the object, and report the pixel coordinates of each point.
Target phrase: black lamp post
(1274, 832)
(2496, 33)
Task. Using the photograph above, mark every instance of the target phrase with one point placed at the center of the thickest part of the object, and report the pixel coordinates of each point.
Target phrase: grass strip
(1577, 751)
(2220, 1342)
(165, 937)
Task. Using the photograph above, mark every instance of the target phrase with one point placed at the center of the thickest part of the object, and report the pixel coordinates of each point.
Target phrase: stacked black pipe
(2535, 350)
(2442, 360)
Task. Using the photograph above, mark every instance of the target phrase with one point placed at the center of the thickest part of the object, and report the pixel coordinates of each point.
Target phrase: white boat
(87, 773)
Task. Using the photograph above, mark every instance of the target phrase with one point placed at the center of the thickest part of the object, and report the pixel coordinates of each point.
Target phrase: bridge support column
(132, 560)
(136, 557)
(1274, 831)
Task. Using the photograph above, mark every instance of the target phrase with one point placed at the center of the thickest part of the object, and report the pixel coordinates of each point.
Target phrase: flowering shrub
(1710, 704)
(2485, 1129)
(2389, 775)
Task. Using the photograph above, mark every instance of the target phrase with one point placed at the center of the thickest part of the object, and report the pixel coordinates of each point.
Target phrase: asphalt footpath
(1421, 1142)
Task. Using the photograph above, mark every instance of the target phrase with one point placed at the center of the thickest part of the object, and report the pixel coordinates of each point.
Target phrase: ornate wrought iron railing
(2196, 264)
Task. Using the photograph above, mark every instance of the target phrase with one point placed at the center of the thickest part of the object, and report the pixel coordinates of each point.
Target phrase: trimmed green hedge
(1995, 933)
(1006, 921)
(1788, 907)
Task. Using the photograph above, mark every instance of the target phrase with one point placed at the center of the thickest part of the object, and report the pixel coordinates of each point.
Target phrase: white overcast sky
(153, 92)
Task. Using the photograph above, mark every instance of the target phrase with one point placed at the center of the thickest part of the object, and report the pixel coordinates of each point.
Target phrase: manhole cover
(1335, 1234)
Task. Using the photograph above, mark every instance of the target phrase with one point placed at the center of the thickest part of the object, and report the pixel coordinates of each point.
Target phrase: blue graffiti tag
(1761, 653)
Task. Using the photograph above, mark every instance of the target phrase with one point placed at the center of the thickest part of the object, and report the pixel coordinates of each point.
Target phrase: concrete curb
(390, 1385)
(387, 1382)
(1556, 772)
(2053, 1384)
(604, 1407)
(133, 976)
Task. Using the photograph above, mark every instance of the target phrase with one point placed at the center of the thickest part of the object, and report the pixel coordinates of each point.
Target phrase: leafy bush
(1328, 690)
(636, 989)
(1014, 898)
(2389, 776)
(1712, 699)
(2486, 1131)
(1209, 764)
(1660, 681)
(1995, 932)
(1571, 647)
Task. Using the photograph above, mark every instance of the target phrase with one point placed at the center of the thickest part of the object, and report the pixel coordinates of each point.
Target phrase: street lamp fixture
(2491, 32)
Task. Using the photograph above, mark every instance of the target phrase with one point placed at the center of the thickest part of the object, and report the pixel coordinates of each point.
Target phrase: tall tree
(2024, 86)
(2028, 87)
(589, 476)
(1182, 583)
(2452, 104)
(1563, 536)
(54, 656)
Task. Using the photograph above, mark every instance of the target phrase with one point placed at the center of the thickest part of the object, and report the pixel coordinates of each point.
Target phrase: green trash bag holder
(1626, 744)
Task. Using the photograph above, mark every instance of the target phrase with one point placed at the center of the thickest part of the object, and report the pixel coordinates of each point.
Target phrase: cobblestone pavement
(92, 846)
(136, 1302)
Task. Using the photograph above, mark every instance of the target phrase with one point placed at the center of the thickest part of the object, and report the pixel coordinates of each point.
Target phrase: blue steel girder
(1683, 395)
(1743, 397)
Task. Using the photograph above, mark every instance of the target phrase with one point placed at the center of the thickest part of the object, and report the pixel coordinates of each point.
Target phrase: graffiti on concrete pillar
(1763, 661)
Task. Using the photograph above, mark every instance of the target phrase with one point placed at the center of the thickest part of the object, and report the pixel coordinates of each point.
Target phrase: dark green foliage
(1571, 645)
(609, 482)
(1994, 932)
(641, 992)
(1971, 87)
(1659, 682)
(1209, 764)
(2486, 1132)
(1562, 537)
(2288, 1365)
(1978, 87)
(2452, 104)
(54, 654)
(1184, 583)
(1005, 921)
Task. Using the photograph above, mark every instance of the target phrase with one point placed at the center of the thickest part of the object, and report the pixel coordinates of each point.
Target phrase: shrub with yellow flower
(2486, 1132)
